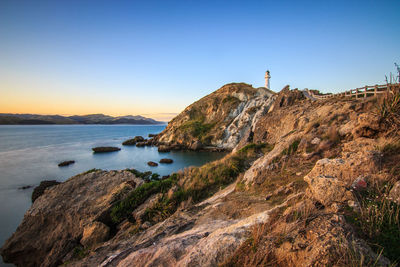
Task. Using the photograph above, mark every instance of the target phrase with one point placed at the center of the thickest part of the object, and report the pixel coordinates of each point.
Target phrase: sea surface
(30, 154)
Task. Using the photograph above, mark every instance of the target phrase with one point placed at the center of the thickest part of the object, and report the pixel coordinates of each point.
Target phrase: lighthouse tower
(267, 77)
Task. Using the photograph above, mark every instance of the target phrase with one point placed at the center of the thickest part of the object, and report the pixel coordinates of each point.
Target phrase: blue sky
(155, 57)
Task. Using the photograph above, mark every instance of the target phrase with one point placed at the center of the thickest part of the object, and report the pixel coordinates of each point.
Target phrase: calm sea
(30, 154)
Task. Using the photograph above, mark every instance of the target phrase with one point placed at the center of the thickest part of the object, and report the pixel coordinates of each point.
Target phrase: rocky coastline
(306, 183)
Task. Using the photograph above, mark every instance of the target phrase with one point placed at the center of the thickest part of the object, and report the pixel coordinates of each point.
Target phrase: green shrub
(125, 207)
(203, 182)
(292, 148)
(379, 221)
(197, 128)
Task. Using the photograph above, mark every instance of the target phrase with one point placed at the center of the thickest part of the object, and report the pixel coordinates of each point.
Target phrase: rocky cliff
(314, 184)
(218, 120)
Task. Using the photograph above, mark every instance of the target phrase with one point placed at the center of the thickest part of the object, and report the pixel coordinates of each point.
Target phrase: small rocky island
(105, 149)
(166, 161)
(66, 163)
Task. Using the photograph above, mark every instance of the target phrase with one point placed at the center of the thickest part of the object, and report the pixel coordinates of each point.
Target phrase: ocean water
(30, 154)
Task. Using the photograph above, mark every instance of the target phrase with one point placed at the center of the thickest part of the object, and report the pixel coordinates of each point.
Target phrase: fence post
(375, 89)
(357, 90)
(365, 91)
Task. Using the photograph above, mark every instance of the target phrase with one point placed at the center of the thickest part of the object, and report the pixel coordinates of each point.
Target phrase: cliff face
(220, 119)
(312, 184)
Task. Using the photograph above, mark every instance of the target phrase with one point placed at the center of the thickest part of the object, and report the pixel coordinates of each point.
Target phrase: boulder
(55, 223)
(133, 141)
(104, 149)
(39, 190)
(152, 164)
(325, 189)
(66, 163)
(368, 126)
(168, 161)
(196, 145)
(316, 141)
(141, 144)
(95, 233)
(164, 148)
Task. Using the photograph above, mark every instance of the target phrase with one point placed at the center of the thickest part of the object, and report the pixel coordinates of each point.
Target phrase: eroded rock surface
(56, 222)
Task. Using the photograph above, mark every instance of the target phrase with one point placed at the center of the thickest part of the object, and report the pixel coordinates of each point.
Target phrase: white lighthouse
(267, 77)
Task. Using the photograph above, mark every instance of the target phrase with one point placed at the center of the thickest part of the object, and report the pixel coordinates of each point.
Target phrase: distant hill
(31, 119)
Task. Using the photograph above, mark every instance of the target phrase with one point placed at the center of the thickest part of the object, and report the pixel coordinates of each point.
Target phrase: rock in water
(39, 190)
(168, 161)
(103, 149)
(65, 214)
(164, 148)
(152, 164)
(133, 141)
(66, 163)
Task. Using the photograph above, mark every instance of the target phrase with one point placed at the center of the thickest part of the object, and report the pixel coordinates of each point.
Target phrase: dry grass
(388, 109)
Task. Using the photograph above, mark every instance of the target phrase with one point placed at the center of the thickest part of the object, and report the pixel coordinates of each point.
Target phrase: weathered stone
(164, 148)
(141, 144)
(94, 234)
(196, 145)
(55, 222)
(39, 190)
(315, 141)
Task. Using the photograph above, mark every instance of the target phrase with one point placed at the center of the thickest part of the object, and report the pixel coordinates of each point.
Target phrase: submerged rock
(24, 187)
(104, 149)
(66, 163)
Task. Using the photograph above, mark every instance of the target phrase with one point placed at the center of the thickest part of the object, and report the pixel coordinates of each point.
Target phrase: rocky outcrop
(294, 192)
(39, 190)
(67, 216)
(219, 120)
(133, 141)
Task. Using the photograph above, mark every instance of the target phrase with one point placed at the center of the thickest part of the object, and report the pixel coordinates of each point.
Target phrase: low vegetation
(197, 128)
(192, 185)
(124, 208)
(378, 220)
(388, 109)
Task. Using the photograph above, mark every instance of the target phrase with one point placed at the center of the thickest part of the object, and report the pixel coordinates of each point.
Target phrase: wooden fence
(362, 92)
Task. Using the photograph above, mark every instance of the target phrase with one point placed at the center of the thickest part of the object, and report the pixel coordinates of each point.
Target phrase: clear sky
(156, 57)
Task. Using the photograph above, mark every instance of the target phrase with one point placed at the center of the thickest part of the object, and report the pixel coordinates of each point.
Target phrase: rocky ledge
(312, 184)
(67, 216)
